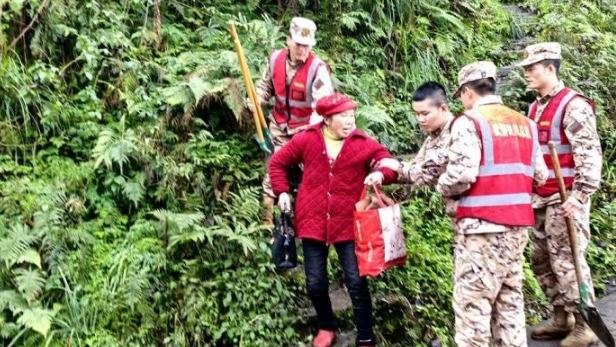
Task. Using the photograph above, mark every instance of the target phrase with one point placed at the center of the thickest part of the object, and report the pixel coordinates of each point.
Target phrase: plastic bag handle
(376, 191)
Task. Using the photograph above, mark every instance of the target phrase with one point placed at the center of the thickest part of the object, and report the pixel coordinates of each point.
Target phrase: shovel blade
(594, 321)
(267, 135)
(262, 144)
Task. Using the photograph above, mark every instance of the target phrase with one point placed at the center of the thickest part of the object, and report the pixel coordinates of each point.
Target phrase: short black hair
(483, 87)
(431, 90)
(553, 62)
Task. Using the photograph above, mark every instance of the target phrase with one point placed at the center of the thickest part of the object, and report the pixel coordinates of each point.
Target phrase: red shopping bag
(379, 240)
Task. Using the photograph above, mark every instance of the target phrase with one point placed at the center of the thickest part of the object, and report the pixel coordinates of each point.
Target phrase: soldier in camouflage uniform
(493, 158)
(434, 117)
(572, 117)
(432, 112)
(297, 79)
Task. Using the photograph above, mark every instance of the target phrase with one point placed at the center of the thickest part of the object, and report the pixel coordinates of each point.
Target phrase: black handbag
(284, 251)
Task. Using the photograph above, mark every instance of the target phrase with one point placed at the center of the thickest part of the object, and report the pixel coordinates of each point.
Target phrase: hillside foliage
(130, 185)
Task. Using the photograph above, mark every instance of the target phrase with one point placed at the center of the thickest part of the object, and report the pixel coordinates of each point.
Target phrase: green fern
(369, 117)
(16, 244)
(177, 221)
(13, 301)
(195, 235)
(116, 147)
(37, 319)
(239, 233)
(29, 282)
(134, 189)
(7, 329)
(30, 256)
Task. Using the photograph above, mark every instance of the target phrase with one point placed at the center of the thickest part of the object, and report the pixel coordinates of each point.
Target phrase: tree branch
(26, 29)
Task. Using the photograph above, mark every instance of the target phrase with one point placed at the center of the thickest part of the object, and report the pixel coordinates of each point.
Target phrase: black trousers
(315, 261)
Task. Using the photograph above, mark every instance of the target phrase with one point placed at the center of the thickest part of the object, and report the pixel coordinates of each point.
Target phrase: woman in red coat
(337, 161)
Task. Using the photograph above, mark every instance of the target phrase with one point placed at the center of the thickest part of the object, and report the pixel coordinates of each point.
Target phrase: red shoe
(325, 338)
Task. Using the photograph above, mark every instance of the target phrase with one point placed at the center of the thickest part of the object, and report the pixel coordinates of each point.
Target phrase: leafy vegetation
(129, 204)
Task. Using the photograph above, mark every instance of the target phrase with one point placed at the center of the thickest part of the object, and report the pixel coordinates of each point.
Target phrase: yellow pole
(258, 106)
(253, 90)
(248, 81)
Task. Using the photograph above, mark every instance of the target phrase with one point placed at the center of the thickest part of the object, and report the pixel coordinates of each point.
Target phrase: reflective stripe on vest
(557, 120)
(555, 135)
(564, 172)
(495, 200)
(560, 149)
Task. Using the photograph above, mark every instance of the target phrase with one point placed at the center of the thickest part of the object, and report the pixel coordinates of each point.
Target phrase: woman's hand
(374, 178)
(284, 202)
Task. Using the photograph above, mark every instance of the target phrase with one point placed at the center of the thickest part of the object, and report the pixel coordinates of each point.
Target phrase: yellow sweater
(332, 143)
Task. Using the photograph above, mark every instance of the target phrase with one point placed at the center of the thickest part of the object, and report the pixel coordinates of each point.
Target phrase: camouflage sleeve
(265, 86)
(541, 169)
(423, 170)
(581, 130)
(321, 87)
(410, 172)
(464, 159)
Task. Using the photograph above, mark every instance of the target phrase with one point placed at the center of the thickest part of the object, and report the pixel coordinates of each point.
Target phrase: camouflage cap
(473, 72)
(541, 51)
(303, 31)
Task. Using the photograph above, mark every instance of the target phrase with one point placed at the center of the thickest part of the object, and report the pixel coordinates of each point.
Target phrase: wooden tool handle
(570, 226)
(250, 88)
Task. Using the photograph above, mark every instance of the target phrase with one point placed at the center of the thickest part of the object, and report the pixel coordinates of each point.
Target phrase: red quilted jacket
(327, 194)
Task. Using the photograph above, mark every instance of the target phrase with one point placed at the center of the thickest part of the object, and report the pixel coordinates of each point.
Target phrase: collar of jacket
(445, 125)
(292, 64)
(488, 100)
(557, 88)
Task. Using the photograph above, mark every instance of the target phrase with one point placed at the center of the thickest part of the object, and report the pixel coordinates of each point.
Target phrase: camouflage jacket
(430, 162)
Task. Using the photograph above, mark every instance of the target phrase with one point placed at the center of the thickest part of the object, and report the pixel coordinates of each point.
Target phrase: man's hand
(251, 106)
(433, 169)
(389, 163)
(374, 178)
(284, 202)
(572, 207)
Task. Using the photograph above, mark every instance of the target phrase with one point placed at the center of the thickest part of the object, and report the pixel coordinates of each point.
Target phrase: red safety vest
(550, 128)
(502, 192)
(297, 108)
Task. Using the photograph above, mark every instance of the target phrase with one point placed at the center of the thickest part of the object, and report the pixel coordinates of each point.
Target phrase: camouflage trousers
(552, 260)
(487, 297)
(280, 136)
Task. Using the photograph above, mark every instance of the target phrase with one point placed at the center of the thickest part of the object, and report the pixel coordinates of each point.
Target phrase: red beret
(335, 103)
